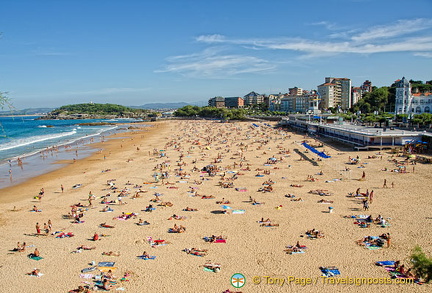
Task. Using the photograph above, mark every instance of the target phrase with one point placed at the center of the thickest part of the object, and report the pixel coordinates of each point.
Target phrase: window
(427, 109)
(418, 110)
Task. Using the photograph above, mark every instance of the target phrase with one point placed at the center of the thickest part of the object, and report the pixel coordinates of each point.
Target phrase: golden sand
(254, 251)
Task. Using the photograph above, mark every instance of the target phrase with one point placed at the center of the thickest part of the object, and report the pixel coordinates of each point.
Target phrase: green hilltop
(94, 110)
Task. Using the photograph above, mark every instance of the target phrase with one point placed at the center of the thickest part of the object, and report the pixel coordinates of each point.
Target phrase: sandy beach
(234, 175)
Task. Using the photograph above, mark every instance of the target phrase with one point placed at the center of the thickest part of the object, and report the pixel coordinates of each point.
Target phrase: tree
(376, 100)
(422, 264)
(187, 111)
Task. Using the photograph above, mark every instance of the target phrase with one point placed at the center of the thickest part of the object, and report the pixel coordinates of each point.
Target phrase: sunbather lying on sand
(166, 204)
(111, 253)
(36, 272)
(196, 251)
(85, 247)
(177, 229)
(188, 209)
(314, 233)
(176, 217)
(213, 266)
(141, 222)
(325, 201)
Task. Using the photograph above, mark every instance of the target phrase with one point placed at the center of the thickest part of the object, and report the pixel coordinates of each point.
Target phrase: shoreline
(61, 166)
(48, 157)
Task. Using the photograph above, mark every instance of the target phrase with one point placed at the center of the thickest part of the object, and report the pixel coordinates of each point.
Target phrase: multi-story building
(329, 98)
(234, 102)
(366, 87)
(218, 102)
(292, 104)
(274, 101)
(411, 103)
(295, 91)
(335, 92)
(358, 92)
(253, 98)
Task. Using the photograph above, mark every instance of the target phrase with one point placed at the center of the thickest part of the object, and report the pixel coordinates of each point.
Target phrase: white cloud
(210, 38)
(400, 36)
(379, 39)
(400, 28)
(212, 63)
(328, 25)
(424, 54)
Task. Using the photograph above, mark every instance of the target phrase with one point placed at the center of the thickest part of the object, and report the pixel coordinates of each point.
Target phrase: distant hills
(159, 106)
(29, 111)
(155, 106)
(149, 106)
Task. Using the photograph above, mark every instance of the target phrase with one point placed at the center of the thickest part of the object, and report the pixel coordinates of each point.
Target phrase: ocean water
(40, 143)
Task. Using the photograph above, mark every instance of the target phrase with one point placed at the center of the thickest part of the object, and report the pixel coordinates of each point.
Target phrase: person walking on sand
(371, 196)
(385, 183)
(62, 188)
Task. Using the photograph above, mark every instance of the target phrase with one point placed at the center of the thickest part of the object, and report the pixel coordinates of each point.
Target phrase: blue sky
(54, 53)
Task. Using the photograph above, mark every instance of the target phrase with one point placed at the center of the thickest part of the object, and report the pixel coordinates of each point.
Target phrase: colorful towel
(385, 263)
(208, 270)
(238, 212)
(106, 264)
(35, 257)
(106, 269)
(86, 270)
(147, 258)
(220, 241)
(329, 272)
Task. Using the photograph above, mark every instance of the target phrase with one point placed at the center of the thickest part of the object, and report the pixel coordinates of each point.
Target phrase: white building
(409, 103)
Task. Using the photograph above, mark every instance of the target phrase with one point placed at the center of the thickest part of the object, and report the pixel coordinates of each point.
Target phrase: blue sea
(28, 139)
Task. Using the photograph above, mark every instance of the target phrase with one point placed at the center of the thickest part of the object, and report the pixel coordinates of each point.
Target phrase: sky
(131, 52)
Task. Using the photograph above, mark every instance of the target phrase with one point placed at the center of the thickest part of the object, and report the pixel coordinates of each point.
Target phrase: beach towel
(297, 252)
(86, 276)
(106, 264)
(106, 269)
(31, 256)
(385, 263)
(86, 270)
(208, 270)
(330, 271)
(373, 247)
(220, 241)
(146, 258)
(238, 212)
(225, 207)
(143, 224)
